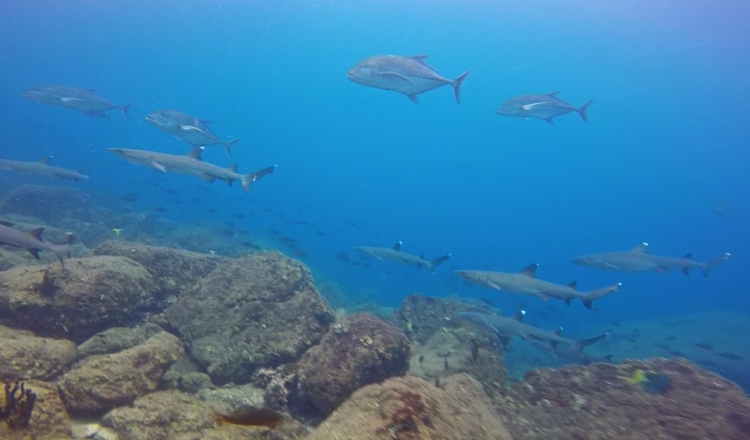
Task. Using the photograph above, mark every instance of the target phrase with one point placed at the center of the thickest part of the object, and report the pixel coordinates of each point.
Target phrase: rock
(184, 375)
(412, 409)
(89, 234)
(360, 350)
(233, 397)
(49, 420)
(159, 416)
(90, 295)
(102, 382)
(262, 310)
(422, 316)
(117, 339)
(597, 402)
(25, 355)
(49, 203)
(461, 350)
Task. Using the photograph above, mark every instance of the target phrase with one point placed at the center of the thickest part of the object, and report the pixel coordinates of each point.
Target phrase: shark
(526, 282)
(569, 355)
(191, 164)
(394, 253)
(32, 242)
(514, 326)
(639, 259)
(83, 100)
(41, 168)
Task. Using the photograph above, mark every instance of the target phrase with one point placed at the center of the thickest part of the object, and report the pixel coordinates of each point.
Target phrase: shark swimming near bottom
(525, 282)
(192, 164)
(32, 242)
(394, 253)
(41, 168)
(639, 260)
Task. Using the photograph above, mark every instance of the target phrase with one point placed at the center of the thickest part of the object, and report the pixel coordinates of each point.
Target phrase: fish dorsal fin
(421, 57)
(45, 160)
(397, 246)
(572, 284)
(37, 233)
(552, 94)
(641, 248)
(519, 316)
(688, 256)
(530, 270)
(195, 153)
(233, 168)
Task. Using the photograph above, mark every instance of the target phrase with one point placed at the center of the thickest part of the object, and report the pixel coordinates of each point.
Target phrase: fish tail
(61, 251)
(580, 344)
(591, 295)
(457, 85)
(711, 264)
(432, 264)
(249, 178)
(124, 109)
(582, 111)
(228, 146)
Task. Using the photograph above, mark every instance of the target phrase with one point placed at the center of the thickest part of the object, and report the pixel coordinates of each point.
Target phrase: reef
(59, 203)
(422, 316)
(25, 355)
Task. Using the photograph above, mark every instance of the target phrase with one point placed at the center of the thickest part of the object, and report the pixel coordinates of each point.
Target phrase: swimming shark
(191, 130)
(191, 164)
(32, 242)
(514, 326)
(394, 253)
(639, 260)
(525, 282)
(568, 354)
(84, 100)
(408, 75)
(546, 107)
(41, 168)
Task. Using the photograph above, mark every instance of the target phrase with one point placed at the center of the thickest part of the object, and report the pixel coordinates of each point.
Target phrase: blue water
(667, 139)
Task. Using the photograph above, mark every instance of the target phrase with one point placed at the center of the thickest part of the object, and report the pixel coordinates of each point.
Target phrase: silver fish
(546, 107)
(408, 75)
(84, 100)
(188, 128)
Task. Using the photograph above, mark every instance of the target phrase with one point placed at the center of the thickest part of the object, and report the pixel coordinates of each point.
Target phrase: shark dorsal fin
(519, 316)
(573, 284)
(530, 270)
(397, 246)
(233, 169)
(688, 256)
(37, 233)
(45, 160)
(641, 248)
(558, 331)
(195, 153)
(552, 94)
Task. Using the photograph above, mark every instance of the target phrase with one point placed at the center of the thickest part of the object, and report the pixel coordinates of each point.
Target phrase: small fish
(187, 128)
(732, 356)
(84, 100)
(546, 107)
(250, 416)
(117, 231)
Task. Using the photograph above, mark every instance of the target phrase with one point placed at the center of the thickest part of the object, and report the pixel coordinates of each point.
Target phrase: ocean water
(667, 141)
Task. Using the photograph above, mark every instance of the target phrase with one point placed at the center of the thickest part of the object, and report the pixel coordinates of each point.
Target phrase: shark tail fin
(711, 264)
(228, 146)
(432, 264)
(589, 297)
(61, 251)
(124, 109)
(582, 111)
(252, 177)
(580, 344)
(457, 85)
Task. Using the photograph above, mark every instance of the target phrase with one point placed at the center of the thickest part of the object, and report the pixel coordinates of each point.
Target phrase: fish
(394, 253)
(249, 416)
(188, 128)
(41, 167)
(525, 282)
(84, 100)
(514, 326)
(567, 354)
(546, 107)
(408, 75)
(32, 242)
(191, 164)
(639, 260)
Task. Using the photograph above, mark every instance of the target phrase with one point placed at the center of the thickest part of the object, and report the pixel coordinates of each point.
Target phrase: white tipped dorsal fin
(397, 246)
(195, 153)
(530, 270)
(519, 316)
(641, 248)
(45, 160)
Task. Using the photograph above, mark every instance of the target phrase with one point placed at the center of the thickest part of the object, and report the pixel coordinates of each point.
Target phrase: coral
(18, 405)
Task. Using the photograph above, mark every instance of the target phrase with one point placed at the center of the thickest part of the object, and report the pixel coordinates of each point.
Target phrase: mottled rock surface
(49, 420)
(412, 409)
(25, 355)
(117, 339)
(357, 351)
(102, 382)
(262, 310)
(49, 203)
(597, 402)
(90, 295)
(422, 316)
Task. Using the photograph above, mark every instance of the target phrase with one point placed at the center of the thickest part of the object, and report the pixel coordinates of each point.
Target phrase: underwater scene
(342, 219)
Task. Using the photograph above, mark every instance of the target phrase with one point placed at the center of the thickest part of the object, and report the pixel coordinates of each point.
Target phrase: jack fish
(545, 107)
(191, 130)
(84, 100)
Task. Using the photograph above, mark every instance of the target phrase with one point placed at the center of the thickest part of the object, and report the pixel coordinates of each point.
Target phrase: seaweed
(18, 405)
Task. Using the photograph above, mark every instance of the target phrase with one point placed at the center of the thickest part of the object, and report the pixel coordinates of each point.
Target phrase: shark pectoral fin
(541, 295)
(394, 75)
(661, 269)
(34, 252)
(567, 301)
(685, 270)
(207, 177)
(159, 166)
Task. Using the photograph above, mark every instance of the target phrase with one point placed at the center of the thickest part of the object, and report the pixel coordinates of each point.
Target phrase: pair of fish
(525, 282)
(394, 253)
(32, 242)
(41, 168)
(191, 164)
(188, 128)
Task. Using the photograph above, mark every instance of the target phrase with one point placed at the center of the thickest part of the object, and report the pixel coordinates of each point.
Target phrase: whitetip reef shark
(83, 100)
(525, 282)
(32, 241)
(639, 260)
(394, 253)
(41, 168)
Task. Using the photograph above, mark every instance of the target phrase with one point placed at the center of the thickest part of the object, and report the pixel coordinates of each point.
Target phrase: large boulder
(413, 409)
(102, 382)
(357, 351)
(25, 355)
(49, 203)
(654, 399)
(117, 339)
(49, 420)
(89, 295)
(262, 310)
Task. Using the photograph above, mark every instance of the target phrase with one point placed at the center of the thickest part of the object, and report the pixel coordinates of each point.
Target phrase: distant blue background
(668, 137)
